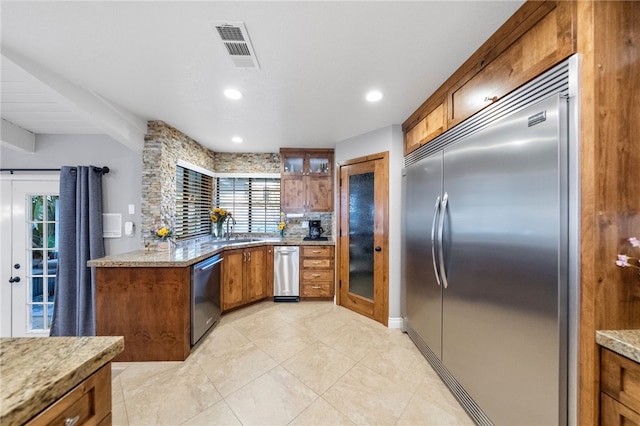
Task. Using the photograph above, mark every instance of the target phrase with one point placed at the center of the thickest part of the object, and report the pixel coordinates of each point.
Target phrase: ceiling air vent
(236, 41)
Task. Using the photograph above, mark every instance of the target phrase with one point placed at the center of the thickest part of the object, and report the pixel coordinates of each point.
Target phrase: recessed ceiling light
(374, 96)
(236, 139)
(233, 94)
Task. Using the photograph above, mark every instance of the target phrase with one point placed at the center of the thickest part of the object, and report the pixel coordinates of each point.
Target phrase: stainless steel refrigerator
(485, 222)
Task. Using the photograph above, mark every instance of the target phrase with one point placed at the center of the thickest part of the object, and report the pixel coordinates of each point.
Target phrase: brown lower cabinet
(89, 403)
(317, 272)
(150, 307)
(619, 390)
(244, 277)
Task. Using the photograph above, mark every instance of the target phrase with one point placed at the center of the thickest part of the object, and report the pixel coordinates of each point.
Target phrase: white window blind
(253, 201)
(194, 194)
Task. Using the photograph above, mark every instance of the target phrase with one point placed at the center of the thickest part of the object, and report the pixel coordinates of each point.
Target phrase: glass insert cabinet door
(43, 226)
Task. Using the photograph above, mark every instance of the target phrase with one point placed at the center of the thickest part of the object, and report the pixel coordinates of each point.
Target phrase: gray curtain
(80, 240)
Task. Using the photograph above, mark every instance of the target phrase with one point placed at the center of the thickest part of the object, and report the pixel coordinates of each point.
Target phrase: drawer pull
(71, 421)
(315, 275)
(317, 262)
(317, 251)
(315, 286)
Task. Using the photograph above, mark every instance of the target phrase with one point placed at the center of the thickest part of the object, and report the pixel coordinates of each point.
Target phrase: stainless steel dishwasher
(286, 274)
(205, 296)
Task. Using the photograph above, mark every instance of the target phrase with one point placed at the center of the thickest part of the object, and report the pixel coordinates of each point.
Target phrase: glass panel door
(32, 260)
(361, 225)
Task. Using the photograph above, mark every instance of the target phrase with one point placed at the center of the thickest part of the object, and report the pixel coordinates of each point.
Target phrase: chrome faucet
(230, 218)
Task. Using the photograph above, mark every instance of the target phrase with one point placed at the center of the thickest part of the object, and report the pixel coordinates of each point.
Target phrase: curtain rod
(104, 170)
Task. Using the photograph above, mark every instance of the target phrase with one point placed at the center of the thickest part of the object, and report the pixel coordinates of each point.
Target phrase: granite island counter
(622, 342)
(36, 372)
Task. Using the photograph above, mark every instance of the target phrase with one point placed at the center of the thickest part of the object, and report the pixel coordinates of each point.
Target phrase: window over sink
(253, 199)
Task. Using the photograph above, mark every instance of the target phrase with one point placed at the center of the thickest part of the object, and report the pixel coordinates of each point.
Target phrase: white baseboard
(395, 322)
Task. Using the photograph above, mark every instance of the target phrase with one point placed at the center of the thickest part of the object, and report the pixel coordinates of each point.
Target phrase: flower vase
(164, 245)
(220, 230)
(282, 233)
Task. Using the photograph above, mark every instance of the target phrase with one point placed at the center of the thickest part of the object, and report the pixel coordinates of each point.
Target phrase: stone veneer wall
(165, 145)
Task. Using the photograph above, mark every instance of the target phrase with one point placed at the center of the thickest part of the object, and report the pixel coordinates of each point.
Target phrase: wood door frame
(381, 307)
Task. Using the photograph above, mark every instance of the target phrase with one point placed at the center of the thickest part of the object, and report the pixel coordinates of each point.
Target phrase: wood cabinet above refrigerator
(306, 180)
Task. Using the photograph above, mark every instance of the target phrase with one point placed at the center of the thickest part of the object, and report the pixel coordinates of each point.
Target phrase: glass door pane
(361, 226)
(44, 228)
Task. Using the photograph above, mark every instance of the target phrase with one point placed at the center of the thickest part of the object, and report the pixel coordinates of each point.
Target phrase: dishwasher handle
(209, 263)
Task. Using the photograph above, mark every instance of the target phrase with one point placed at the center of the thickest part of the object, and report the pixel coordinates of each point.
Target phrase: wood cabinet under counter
(150, 307)
(59, 380)
(317, 272)
(244, 277)
(620, 389)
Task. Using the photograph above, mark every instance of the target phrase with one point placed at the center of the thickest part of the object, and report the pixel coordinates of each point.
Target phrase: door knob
(14, 280)
(378, 248)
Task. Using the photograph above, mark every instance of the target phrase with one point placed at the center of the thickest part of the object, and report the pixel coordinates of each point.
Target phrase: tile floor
(308, 363)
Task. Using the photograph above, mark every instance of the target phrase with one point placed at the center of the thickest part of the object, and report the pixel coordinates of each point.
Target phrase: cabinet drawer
(317, 289)
(312, 276)
(612, 413)
(620, 379)
(317, 263)
(87, 403)
(317, 251)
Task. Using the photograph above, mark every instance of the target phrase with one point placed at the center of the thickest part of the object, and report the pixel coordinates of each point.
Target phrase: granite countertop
(192, 253)
(37, 371)
(623, 342)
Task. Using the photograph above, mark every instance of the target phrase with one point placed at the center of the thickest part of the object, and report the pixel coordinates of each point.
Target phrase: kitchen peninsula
(56, 378)
(145, 295)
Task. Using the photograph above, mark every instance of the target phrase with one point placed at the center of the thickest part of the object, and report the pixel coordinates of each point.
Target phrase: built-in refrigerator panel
(422, 192)
(502, 312)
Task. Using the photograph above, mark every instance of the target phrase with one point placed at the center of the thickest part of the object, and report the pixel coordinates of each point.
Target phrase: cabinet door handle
(71, 421)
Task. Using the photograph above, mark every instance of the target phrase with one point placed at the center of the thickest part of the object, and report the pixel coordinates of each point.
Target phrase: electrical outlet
(305, 224)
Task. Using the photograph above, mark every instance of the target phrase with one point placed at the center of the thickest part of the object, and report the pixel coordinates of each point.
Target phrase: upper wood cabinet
(432, 125)
(306, 180)
(538, 36)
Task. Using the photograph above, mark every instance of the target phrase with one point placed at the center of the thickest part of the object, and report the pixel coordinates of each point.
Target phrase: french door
(29, 247)
(363, 258)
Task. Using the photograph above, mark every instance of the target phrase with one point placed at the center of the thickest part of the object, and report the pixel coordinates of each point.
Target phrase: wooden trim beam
(121, 125)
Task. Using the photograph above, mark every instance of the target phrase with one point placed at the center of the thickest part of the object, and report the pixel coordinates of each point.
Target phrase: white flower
(623, 260)
(634, 242)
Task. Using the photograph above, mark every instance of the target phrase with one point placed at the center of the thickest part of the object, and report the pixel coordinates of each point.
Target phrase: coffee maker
(314, 231)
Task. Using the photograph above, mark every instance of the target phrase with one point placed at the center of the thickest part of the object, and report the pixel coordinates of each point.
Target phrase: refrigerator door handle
(433, 240)
(443, 212)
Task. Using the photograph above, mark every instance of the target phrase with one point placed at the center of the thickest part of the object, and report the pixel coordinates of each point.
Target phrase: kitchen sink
(241, 240)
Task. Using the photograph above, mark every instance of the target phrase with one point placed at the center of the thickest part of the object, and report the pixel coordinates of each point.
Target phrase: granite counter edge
(622, 342)
(136, 259)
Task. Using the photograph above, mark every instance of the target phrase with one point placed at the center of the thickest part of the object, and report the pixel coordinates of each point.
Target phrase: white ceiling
(108, 66)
